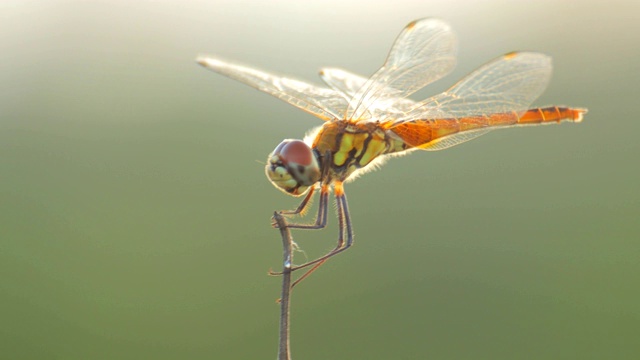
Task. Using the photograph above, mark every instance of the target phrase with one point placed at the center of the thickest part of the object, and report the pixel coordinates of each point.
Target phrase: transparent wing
(345, 82)
(423, 53)
(348, 84)
(324, 103)
(507, 84)
(455, 139)
(494, 96)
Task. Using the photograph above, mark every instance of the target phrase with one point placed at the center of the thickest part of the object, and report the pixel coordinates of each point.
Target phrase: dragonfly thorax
(354, 148)
(293, 167)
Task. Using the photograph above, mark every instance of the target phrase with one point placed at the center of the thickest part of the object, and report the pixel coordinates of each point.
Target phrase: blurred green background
(134, 212)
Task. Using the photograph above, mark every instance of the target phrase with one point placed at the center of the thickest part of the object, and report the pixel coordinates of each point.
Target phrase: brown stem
(284, 352)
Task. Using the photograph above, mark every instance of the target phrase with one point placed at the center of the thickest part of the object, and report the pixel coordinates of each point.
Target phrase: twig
(284, 352)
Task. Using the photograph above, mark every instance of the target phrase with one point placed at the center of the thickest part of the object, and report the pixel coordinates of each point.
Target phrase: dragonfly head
(292, 167)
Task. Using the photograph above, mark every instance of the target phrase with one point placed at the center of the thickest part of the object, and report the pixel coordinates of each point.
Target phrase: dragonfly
(369, 120)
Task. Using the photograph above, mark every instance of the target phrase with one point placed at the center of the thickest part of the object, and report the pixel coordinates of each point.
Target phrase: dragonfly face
(293, 167)
(369, 119)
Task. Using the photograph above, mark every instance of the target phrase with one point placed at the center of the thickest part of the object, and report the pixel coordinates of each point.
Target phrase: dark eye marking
(301, 169)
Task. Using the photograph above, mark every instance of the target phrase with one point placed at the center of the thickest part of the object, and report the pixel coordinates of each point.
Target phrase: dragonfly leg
(344, 222)
(321, 218)
(302, 208)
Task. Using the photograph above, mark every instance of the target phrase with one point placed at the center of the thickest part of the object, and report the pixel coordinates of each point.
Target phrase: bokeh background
(134, 213)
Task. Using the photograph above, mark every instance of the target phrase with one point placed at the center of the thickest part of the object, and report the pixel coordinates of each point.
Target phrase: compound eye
(293, 167)
(295, 152)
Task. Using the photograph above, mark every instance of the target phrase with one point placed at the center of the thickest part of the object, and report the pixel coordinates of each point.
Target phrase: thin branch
(284, 351)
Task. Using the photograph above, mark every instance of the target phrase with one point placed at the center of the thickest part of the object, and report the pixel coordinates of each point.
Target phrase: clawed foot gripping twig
(344, 223)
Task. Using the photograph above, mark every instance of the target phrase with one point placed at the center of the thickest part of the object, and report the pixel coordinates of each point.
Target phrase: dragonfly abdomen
(530, 117)
(422, 133)
(551, 114)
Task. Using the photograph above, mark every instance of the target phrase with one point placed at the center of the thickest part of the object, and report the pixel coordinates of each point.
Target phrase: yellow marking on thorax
(346, 144)
(367, 146)
(375, 147)
(358, 143)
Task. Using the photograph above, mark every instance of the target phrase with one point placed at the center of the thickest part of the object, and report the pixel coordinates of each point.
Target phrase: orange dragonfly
(370, 120)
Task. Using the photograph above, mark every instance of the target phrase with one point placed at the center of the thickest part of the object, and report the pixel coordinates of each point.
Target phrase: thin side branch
(284, 352)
